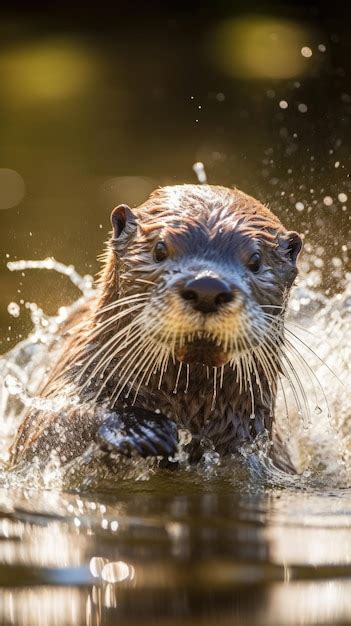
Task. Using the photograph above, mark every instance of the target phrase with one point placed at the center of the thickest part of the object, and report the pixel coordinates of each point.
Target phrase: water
(207, 556)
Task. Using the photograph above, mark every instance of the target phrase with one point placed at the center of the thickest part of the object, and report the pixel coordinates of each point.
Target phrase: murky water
(97, 111)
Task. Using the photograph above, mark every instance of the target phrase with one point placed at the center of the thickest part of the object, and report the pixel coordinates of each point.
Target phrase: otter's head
(213, 268)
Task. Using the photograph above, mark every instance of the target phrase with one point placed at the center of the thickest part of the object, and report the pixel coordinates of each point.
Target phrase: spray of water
(200, 172)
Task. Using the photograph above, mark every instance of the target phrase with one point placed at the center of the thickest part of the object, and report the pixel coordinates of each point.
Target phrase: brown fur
(204, 227)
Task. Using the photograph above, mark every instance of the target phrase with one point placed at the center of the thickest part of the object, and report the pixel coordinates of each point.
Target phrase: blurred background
(101, 103)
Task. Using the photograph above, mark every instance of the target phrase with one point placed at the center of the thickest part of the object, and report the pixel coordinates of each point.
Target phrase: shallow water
(147, 555)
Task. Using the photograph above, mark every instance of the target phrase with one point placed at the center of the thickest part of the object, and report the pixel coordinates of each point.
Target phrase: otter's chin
(202, 351)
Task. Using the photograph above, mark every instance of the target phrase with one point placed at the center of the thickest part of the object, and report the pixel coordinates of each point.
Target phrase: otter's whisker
(187, 378)
(131, 366)
(117, 367)
(114, 320)
(98, 312)
(115, 350)
(305, 408)
(271, 344)
(236, 363)
(103, 348)
(214, 394)
(146, 370)
(291, 375)
(116, 335)
(177, 379)
(257, 375)
(222, 377)
(163, 364)
(248, 381)
(82, 345)
(305, 411)
(117, 316)
(288, 321)
(125, 375)
(311, 374)
(143, 280)
(270, 357)
(122, 301)
(286, 407)
(144, 365)
(315, 354)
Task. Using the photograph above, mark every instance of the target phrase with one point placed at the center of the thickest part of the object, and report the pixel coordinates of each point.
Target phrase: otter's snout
(206, 293)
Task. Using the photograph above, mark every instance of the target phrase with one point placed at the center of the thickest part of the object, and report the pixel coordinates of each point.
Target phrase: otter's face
(217, 275)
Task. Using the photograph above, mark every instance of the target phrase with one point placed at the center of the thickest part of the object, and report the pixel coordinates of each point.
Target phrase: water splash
(200, 172)
(18, 389)
(84, 283)
(14, 309)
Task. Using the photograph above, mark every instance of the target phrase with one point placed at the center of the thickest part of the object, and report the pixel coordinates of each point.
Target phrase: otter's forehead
(213, 206)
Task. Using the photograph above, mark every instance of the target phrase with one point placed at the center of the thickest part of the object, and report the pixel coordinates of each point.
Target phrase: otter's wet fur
(144, 341)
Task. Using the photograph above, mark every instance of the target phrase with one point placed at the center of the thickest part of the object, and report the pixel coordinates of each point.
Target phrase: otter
(185, 330)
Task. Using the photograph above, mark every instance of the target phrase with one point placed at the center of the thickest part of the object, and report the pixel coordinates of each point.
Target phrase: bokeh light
(12, 188)
(47, 70)
(260, 47)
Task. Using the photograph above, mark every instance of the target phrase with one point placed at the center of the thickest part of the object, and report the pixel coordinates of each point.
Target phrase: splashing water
(313, 422)
(84, 283)
(200, 172)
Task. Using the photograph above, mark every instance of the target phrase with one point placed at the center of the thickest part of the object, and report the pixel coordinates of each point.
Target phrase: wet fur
(206, 228)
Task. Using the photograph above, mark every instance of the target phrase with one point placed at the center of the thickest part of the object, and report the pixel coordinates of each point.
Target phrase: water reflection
(226, 559)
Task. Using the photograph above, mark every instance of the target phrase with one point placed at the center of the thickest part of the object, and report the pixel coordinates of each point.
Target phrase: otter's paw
(135, 430)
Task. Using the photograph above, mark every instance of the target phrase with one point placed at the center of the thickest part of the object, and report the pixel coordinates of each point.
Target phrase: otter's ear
(292, 243)
(123, 222)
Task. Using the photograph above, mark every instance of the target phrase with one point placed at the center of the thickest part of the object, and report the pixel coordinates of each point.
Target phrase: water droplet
(306, 52)
(328, 200)
(302, 107)
(200, 172)
(13, 309)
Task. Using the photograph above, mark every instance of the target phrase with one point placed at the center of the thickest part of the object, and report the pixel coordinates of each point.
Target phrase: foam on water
(313, 421)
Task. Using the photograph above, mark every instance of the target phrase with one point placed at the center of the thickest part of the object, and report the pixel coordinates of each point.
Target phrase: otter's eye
(160, 251)
(254, 263)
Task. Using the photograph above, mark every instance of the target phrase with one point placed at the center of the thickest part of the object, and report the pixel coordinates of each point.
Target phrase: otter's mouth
(204, 351)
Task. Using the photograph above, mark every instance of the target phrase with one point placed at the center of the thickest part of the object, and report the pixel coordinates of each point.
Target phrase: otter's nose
(206, 293)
